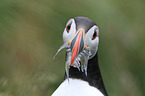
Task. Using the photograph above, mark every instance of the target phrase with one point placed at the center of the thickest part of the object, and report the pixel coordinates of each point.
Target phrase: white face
(69, 31)
(91, 38)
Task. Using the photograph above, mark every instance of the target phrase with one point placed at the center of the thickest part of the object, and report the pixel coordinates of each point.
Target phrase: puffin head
(81, 39)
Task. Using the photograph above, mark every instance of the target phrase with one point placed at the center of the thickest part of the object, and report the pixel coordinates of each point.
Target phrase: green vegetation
(31, 33)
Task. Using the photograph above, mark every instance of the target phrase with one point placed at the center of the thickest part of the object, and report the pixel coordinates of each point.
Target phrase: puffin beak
(77, 44)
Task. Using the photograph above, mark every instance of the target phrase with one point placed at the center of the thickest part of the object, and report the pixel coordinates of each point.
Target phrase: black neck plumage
(93, 74)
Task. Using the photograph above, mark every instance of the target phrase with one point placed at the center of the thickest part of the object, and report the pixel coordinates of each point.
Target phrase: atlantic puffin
(82, 72)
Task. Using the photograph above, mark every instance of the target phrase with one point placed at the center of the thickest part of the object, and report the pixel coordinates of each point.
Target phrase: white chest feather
(76, 87)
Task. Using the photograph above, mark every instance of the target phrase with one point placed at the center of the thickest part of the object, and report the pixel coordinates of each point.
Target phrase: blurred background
(31, 33)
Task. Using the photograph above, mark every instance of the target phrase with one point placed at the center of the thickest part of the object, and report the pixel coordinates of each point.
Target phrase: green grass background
(31, 33)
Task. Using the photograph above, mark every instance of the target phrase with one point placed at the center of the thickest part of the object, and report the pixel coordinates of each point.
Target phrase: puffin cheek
(94, 47)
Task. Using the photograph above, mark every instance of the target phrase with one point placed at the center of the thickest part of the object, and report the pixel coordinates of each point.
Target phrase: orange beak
(77, 44)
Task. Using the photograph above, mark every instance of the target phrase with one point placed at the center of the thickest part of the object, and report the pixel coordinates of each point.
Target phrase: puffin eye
(68, 27)
(95, 34)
